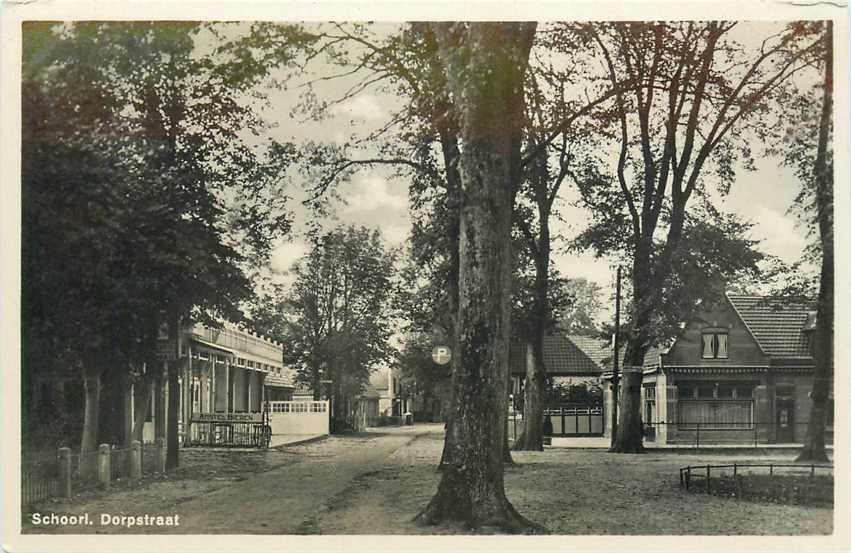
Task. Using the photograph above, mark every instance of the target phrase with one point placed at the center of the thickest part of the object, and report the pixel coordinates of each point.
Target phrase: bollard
(103, 465)
(135, 460)
(65, 472)
(160, 464)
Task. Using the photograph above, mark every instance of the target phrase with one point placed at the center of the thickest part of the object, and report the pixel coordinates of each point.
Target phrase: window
(649, 403)
(732, 414)
(719, 405)
(715, 345)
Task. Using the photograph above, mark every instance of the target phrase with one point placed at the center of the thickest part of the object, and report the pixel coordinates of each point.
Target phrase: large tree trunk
(91, 415)
(532, 438)
(629, 435)
(814, 446)
(485, 64)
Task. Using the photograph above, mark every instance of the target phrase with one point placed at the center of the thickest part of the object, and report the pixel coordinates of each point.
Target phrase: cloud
(286, 254)
(371, 192)
(780, 234)
(365, 107)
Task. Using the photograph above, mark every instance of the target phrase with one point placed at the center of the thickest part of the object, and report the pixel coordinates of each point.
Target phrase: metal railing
(744, 433)
(707, 472)
(47, 476)
(39, 479)
(119, 462)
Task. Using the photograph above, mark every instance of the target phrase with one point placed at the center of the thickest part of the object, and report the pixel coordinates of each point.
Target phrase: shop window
(704, 391)
(725, 391)
(732, 414)
(715, 345)
(718, 405)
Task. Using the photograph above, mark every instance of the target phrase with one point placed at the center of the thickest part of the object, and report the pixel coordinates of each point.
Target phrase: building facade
(221, 371)
(739, 373)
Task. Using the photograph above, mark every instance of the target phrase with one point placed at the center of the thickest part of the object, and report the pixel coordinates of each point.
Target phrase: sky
(374, 198)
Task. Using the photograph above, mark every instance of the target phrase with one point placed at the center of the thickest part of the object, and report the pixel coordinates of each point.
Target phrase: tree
(688, 98)
(158, 134)
(809, 150)
(342, 319)
(418, 372)
(485, 65)
(580, 317)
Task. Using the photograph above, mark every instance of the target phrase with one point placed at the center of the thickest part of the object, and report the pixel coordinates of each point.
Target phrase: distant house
(739, 372)
(386, 387)
(567, 358)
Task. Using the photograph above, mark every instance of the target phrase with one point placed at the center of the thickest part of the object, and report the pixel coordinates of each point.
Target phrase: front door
(785, 420)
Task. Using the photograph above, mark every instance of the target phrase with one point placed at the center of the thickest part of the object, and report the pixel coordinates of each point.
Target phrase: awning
(215, 348)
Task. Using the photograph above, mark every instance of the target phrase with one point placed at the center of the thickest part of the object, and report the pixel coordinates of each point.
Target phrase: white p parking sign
(441, 354)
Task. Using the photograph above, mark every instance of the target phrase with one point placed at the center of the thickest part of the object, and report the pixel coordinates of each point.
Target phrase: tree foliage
(141, 202)
(342, 315)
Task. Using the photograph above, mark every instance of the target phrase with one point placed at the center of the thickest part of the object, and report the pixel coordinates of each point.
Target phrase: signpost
(615, 375)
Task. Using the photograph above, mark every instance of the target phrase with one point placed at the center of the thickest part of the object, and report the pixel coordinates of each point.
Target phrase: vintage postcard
(315, 276)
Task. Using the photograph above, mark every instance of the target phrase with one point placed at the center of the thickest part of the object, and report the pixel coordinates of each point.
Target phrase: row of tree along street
(145, 205)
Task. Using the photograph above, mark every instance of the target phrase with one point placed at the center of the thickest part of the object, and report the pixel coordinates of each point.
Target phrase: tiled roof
(564, 355)
(651, 358)
(777, 325)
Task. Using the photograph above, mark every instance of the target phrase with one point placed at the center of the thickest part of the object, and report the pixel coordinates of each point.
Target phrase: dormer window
(714, 344)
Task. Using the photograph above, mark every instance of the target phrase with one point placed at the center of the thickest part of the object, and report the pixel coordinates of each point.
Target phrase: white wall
(299, 417)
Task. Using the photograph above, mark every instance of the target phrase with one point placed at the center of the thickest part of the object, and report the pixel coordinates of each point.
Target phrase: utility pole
(615, 375)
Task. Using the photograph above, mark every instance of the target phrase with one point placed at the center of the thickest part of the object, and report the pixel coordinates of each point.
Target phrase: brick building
(739, 372)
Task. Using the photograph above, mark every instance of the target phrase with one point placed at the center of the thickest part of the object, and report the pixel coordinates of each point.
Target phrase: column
(214, 372)
(227, 386)
(670, 400)
(248, 379)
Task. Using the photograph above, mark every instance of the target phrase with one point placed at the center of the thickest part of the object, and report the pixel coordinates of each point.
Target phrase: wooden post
(65, 472)
(103, 466)
(708, 477)
(736, 482)
(616, 360)
(188, 397)
(135, 460)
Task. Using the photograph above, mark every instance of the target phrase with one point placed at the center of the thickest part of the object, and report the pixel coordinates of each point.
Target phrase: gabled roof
(778, 326)
(565, 355)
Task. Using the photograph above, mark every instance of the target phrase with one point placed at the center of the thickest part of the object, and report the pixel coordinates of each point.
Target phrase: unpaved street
(375, 483)
(284, 500)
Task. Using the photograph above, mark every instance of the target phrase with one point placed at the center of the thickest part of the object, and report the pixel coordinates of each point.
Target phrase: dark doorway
(785, 420)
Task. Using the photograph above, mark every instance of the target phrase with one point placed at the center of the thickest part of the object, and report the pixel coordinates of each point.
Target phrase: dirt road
(375, 483)
(287, 499)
